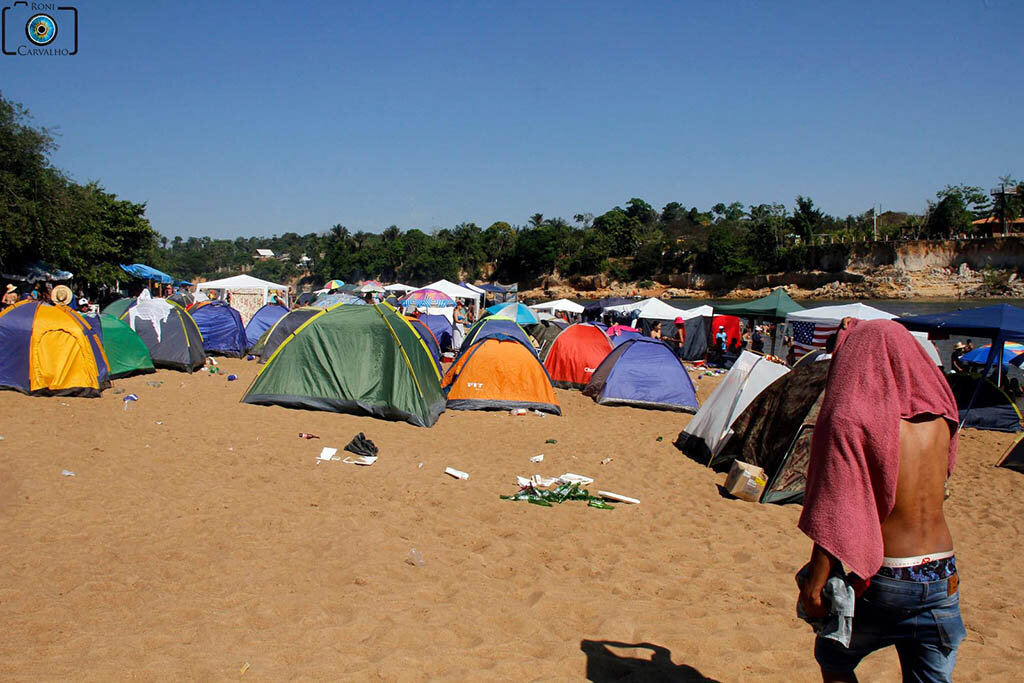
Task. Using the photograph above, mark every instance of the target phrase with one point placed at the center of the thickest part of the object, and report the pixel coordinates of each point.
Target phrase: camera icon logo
(32, 29)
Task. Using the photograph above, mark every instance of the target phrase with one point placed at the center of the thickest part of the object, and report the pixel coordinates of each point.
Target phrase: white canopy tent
(399, 287)
(833, 315)
(558, 305)
(244, 282)
(656, 309)
(457, 292)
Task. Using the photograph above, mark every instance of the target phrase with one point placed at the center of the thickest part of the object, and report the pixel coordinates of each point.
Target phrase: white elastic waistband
(902, 562)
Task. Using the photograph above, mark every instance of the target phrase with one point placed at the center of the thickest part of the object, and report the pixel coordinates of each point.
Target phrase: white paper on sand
(618, 497)
(458, 474)
(327, 454)
(537, 458)
(361, 460)
(543, 482)
(523, 482)
(571, 478)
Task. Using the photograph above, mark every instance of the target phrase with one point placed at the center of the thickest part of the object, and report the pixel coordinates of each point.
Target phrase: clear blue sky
(235, 119)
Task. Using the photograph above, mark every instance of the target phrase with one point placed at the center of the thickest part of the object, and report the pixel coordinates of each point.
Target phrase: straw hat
(62, 294)
(959, 345)
(10, 287)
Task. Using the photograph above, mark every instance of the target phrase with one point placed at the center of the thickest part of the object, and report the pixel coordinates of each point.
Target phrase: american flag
(808, 336)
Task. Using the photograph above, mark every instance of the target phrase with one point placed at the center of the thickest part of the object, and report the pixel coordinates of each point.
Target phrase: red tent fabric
(732, 328)
(575, 355)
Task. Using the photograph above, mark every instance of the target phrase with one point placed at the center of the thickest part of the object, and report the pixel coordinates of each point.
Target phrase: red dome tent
(575, 355)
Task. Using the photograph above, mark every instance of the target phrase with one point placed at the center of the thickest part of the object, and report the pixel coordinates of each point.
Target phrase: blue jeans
(921, 619)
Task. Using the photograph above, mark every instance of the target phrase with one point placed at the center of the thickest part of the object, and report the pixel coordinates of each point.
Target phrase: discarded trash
(543, 482)
(362, 446)
(540, 412)
(559, 495)
(421, 465)
(537, 458)
(523, 481)
(551, 441)
(67, 473)
(245, 667)
(130, 398)
(158, 422)
(415, 558)
(618, 497)
(304, 435)
(155, 383)
(517, 411)
(458, 474)
(361, 460)
(250, 357)
(571, 478)
(660, 438)
(232, 378)
(606, 461)
(327, 454)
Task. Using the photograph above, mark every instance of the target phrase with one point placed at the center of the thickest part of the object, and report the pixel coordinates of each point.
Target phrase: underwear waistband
(904, 562)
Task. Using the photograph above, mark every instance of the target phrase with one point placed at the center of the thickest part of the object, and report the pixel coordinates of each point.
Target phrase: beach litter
(245, 667)
(458, 474)
(130, 398)
(304, 435)
(551, 441)
(537, 458)
(606, 461)
(360, 445)
(326, 454)
(67, 473)
(517, 411)
(155, 383)
(660, 438)
(232, 378)
(250, 357)
(415, 558)
(558, 495)
(618, 497)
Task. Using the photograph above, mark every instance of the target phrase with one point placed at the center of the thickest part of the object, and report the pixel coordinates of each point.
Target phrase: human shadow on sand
(605, 666)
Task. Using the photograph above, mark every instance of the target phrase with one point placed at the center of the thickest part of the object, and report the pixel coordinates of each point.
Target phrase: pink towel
(879, 375)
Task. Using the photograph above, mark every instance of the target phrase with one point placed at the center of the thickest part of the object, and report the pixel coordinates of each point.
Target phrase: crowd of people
(45, 291)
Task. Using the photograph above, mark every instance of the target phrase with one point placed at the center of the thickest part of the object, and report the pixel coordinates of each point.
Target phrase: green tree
(957, 207)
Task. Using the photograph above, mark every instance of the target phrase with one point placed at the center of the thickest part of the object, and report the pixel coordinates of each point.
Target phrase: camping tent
(285, 326)
(221, 327)
(117, 307)
(621, 333)
(457, 292)
(168, 331)
(126, 353)
(241, 283)
(564, 305)
(546, 332)
(813, 326)
(499, 373)
(50, 351)
(495, 326)
(992, 409)
(518, 312)
(643, 372)
(575, 355)
(261, 321)
(442, 328)
(428, 338)
(774, 431)
(1013, 458)
(706, 433)
(328, 300)
(775, 306)
(354, 359)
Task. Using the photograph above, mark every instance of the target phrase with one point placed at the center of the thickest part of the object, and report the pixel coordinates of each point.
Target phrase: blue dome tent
(643, 372)
(261, 321)
(221, 327)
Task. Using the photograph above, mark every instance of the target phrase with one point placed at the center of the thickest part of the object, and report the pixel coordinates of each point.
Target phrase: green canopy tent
(354, 359)
(126, 352)
(774, 306)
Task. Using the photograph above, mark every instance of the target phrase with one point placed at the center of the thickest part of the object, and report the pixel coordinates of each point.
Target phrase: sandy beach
(199, 539)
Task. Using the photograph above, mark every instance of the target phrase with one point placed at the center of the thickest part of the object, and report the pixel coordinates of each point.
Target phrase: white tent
(708, 431)
(457, 292)
(558, 305)
(399, 287)
(247, 282)
(833, 315)
(704, 311)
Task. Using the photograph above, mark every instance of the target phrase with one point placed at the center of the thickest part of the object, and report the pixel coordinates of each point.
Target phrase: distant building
(263, 255)
(993, 226)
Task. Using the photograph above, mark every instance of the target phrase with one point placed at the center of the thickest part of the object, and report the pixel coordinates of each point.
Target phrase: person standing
(10, 296)
(679, 336)
(721, 339)
(883, 446)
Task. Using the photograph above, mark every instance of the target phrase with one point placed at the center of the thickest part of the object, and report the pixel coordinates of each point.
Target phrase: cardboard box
(745, 481)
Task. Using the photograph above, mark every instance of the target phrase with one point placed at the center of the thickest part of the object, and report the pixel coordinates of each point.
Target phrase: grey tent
(168, 331)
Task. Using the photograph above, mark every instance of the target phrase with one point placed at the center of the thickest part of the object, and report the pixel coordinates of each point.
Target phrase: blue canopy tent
(145, 272)
(1000, 323)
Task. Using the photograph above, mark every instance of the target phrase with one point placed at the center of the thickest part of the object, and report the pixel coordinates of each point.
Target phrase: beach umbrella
(334, 284)
(518, 312)
(429, 298)
(1011, 354)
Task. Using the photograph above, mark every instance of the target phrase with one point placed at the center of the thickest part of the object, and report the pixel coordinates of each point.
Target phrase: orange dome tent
(499, 373)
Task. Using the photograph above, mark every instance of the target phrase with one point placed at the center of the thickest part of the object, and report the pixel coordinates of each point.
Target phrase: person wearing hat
(10, 296)
(62, 295)
(721, 339)
(959, 349)
(679, 336)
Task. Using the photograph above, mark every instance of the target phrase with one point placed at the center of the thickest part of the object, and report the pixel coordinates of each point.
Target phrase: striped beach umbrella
(430, 298)
(334, 284)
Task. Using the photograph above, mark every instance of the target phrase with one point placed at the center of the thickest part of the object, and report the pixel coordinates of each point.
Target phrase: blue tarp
(1001, 322)
(221, 327)
(643, 372)
(149, 273)
(261, 321)
(38, 272)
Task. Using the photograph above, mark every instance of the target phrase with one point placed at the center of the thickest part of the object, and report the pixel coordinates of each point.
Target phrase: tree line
(88, 230)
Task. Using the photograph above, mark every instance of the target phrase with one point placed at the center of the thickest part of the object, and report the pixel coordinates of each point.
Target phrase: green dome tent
(126, 352)
(354, 359)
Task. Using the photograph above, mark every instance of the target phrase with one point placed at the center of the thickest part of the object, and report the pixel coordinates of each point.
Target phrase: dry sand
(199, 535)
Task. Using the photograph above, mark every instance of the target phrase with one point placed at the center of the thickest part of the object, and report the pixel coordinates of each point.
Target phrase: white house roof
(265, 252)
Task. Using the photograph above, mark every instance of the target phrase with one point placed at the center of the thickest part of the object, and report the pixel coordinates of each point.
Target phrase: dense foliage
(85, 229)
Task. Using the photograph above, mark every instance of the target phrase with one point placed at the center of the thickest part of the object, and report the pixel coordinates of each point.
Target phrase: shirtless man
(912, 599)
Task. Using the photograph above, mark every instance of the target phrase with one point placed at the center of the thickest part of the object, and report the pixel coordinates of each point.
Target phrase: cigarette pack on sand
(745, 481)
